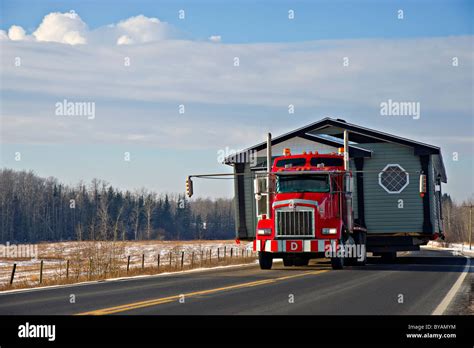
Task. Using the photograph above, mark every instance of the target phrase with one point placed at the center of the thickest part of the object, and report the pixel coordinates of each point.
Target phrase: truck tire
(288, 262)
(361, 238)
(337, 262)
(389, 257)
(265, 260)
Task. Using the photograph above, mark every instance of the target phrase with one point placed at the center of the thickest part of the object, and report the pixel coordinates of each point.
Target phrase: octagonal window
(393, 178)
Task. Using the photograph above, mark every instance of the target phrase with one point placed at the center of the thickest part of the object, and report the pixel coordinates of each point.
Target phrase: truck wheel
(287, 262)
(265, 260)
(389, 257)
(361, 239)
(337, 262)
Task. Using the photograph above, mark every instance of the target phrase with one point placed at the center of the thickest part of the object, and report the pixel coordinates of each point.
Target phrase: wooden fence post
(192, 260)
(143, 261)
(90, 267)
(159, 262)
(41, 272)
(202, 254)
(231, 249)
(170, 260)
(13, 273)
(182, 259)
(67, 269)
(128, 263)
(225, 252)
(218, 254)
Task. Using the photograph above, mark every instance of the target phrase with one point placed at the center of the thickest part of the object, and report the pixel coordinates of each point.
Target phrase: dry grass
(72, 262)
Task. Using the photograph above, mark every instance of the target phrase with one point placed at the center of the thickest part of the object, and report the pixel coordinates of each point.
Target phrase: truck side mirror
(259, 185)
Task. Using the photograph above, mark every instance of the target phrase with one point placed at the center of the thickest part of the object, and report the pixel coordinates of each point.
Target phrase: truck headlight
(329, 231)
(264, 231)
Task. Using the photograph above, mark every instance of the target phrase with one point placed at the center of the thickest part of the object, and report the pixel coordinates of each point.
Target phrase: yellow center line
(158, 301)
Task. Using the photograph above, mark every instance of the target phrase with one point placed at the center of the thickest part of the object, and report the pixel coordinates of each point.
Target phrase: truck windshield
(302, 183)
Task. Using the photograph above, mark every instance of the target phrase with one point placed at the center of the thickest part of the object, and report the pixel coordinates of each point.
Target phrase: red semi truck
(309, 212)
(304, 210)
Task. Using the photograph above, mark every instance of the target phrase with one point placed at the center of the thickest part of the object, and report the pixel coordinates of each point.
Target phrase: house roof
(358, 134)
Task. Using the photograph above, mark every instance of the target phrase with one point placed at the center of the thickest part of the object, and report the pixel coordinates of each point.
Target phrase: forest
(34, 209)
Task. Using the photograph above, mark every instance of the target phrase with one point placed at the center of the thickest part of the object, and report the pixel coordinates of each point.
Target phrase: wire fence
(107, 265)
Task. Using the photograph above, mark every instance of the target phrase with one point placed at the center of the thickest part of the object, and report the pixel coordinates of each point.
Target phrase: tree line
(35, 209)
(457, 220)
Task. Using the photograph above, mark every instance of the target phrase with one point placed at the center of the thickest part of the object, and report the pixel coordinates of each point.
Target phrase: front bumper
(295, 245)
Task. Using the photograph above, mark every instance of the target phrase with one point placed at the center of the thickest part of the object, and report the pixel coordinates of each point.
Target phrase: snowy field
(457, 248)
(68, 262)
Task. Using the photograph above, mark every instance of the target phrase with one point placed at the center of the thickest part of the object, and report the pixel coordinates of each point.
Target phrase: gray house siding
(251, 219)
(382, 212)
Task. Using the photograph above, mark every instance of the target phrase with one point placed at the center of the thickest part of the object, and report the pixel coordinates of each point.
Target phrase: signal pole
(269, 169)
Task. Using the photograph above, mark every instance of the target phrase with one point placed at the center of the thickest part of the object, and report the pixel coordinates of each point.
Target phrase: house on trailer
(386, 196)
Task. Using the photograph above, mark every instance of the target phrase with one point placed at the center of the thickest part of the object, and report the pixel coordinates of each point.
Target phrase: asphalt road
(416, 284)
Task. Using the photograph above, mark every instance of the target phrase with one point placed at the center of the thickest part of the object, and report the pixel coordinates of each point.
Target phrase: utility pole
(470, 227)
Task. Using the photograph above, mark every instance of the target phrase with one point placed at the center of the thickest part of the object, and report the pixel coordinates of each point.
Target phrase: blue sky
(79, 57)
(261, 21)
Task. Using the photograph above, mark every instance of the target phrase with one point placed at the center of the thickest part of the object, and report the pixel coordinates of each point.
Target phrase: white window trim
(393, 165)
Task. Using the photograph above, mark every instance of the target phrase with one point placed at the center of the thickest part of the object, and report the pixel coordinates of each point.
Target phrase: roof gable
(358, 134)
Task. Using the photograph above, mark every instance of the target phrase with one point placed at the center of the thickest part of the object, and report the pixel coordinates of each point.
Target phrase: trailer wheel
(389, 257)
(265, 260)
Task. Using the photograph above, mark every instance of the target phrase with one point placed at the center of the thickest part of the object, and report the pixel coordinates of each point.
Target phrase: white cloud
(143, 98)
(3, 35)
(124, 40)
(165, 73)
(65, 28)
(215, 38)
(69, 28)
(142, 29)
(16, 33)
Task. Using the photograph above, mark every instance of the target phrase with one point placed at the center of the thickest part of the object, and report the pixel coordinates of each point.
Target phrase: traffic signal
(189, 187)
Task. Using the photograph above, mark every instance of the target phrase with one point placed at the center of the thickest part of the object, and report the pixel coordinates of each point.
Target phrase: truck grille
(299, 223)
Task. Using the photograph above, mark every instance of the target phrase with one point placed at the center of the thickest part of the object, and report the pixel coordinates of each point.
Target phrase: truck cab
(309, 214)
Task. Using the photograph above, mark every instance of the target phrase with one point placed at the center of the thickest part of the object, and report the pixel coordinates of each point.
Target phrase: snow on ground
(457, 248)
(55, 256)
